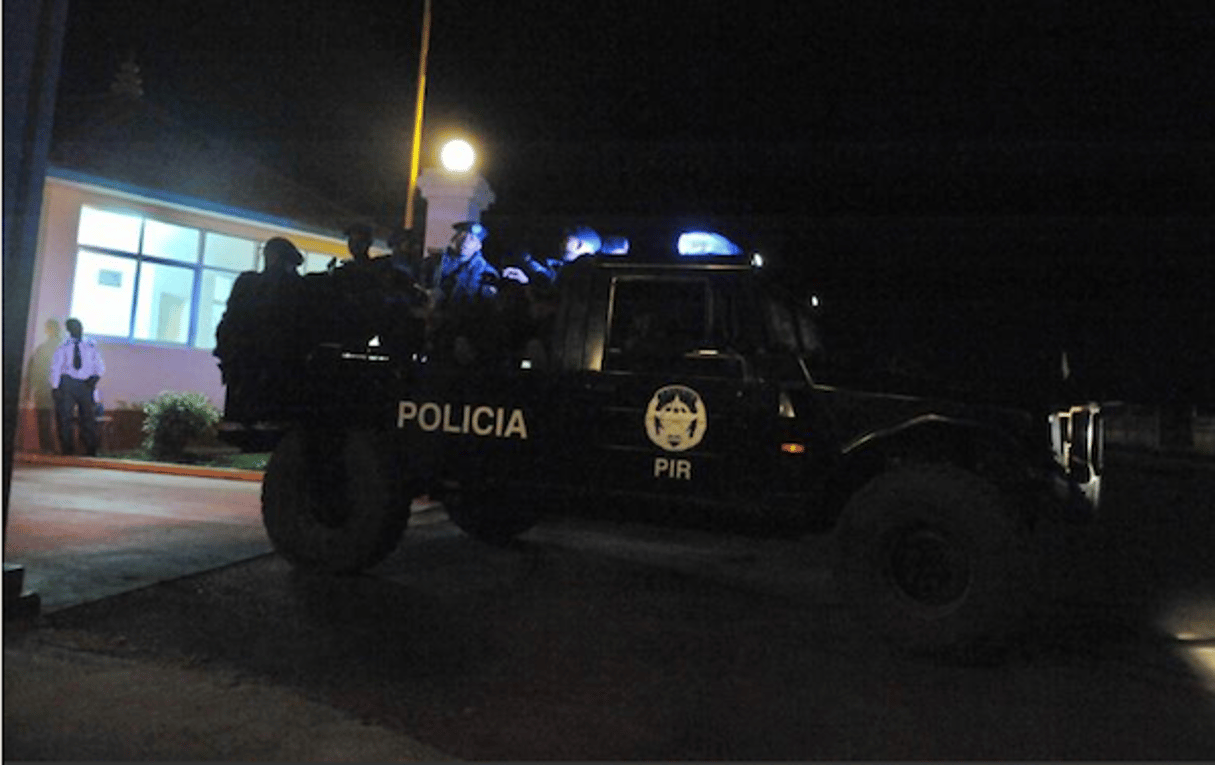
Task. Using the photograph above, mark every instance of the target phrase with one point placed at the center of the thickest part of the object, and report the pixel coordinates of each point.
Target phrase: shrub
(173, 420)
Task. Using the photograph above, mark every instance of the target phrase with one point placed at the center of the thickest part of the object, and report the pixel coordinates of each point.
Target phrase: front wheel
(934, 559)
(330, 501)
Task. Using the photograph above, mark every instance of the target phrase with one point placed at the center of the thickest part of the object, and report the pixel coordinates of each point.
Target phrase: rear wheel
(934, 559)
(330, 501)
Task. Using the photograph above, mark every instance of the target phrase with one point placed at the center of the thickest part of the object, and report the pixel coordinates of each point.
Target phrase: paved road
(592, 642)
(83, 533)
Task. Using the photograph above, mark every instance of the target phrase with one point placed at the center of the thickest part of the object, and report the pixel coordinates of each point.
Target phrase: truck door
(674, 412)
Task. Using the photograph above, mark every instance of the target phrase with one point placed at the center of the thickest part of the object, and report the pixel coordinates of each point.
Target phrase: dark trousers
(77, 396)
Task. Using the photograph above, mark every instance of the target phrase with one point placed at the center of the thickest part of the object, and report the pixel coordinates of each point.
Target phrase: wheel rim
(928, 567)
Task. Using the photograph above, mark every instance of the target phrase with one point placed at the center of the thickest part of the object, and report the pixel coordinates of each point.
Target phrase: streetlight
(453, 191)
(460, 194)
(457, 156)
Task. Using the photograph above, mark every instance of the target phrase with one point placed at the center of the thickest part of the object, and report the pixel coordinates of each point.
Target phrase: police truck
(685, 385)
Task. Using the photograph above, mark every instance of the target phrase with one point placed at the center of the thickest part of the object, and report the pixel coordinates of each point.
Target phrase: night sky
(574, 102)
(814, 110)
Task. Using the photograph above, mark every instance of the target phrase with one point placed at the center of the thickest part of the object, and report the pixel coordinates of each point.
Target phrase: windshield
(791, 328)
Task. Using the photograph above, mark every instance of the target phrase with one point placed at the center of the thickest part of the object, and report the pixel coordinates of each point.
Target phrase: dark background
(1044, 168)
(582, 107)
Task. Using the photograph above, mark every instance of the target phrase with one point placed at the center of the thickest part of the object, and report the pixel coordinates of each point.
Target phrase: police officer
(359, 237)
(75, 371)
(263, 336)
(577, 241)
(352, 299)
(464, 273)
(464, 310)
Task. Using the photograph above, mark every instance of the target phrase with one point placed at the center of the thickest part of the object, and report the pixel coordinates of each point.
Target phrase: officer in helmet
(352, 296)
(576, 242)
(465, 276)
(263, 336)
(463, 312)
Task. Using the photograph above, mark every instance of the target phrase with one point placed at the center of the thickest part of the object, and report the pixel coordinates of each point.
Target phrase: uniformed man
(464, 273)
(352, 297)
(76, 368)
(464, 310)
(264, 334)
(576, 242)
(359, 237)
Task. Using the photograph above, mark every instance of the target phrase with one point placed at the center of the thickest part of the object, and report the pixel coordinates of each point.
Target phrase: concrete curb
(170, 468)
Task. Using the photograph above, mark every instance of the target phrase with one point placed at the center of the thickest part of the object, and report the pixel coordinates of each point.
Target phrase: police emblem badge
(675, 419)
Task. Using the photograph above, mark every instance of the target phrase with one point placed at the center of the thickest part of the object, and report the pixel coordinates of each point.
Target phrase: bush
(173, 420)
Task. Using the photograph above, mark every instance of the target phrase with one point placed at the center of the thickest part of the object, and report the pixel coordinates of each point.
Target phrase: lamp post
(454, 192)
(416, 154)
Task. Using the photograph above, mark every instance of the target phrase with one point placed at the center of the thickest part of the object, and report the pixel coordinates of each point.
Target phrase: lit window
(152, 280)
(103, 293)
(229, 252)
(212, 300)
(226, 257)
(164, 240)
(109, 230)
(162, 312)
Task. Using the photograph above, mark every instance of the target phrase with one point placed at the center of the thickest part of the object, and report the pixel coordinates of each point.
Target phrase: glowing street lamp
(457, 156)
(453, 191)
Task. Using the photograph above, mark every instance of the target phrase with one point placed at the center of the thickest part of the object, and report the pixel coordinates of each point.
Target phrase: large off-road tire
(331, 501)
(935, 560)
(486, 515)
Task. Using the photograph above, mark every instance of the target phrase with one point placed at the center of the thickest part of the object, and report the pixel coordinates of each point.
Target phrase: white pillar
(450, 199)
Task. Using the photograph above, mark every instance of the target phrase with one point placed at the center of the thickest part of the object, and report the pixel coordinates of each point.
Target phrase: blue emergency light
(705, 244)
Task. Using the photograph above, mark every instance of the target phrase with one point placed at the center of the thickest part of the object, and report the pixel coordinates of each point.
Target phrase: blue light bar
(705, 243)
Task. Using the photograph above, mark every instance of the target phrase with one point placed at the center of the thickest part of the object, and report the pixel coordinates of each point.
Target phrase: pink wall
(135, 372)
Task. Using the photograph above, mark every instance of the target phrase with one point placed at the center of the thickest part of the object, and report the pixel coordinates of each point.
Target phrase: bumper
(1078, 442)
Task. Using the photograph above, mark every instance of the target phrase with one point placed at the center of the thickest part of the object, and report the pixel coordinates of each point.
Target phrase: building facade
(148, 273)
(145, 225)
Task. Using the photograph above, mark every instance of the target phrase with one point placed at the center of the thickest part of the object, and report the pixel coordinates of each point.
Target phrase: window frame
(616, 358)
(197, 269)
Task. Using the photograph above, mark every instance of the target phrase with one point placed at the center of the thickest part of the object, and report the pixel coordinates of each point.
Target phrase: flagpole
(416, 156)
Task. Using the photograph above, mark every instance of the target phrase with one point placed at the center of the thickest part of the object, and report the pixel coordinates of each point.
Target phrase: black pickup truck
(685, 390)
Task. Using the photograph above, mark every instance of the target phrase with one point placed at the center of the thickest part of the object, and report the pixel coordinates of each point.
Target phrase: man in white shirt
(76, 368)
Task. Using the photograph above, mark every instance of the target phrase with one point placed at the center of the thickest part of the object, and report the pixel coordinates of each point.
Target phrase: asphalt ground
(590, 641)
(88, 530)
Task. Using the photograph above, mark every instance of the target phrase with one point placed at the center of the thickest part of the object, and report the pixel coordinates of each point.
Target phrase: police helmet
(615, 245)
(471, 227)
(588, 236)
(281, 249)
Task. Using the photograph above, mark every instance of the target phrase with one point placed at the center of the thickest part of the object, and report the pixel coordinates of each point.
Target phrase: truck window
(655, 318)
(792, 330)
